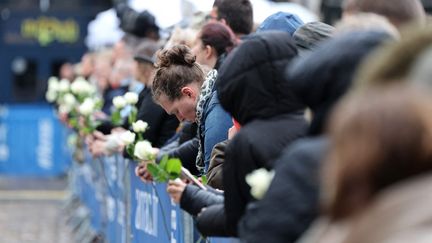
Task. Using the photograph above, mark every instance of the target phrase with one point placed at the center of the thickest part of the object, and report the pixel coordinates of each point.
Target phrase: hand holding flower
(175, 189)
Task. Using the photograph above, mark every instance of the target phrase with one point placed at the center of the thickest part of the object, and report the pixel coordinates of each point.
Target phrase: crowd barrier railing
(108, 202)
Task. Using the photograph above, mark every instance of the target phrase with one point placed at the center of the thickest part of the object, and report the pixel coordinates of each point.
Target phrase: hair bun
(176, 55)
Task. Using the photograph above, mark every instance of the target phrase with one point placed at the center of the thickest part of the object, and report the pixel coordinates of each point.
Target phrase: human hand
(118, 130)
(232, 132)
(175, 189)
(142, 172)
(97, 148)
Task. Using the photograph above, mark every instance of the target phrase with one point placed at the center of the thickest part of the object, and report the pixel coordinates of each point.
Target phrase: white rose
(53, 84)
(64, 109)
(64, 85)
(87, 107)
(51, 95)
(119, 102)
(69, 100)
(92, 88)
(131, 98)
(127, 137)
(80, 79)
(112, 143)
(139, 126)
(259, 181)
(143, 150)
(80, 86)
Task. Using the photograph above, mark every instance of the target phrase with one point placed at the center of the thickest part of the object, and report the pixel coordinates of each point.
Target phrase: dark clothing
(320, 79)
(251, 83)
(252, 89)
(161, 125)
(194, 199)
(186, 152)
(291, 203)
(214, 173)
(109, 95)
(257, 145)
(324, 75)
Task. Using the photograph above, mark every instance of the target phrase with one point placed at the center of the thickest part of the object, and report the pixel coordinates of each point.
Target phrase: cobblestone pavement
(32, 215)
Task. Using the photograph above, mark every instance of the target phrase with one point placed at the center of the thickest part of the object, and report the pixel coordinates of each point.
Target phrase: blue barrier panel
(124, 209)
(154, 217)
(32, 142)
(92, 197)
(115, 169)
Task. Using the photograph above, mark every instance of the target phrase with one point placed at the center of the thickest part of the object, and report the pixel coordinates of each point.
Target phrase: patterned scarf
(206, 91)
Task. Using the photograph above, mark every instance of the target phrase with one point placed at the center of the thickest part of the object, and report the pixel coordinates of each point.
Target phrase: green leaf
(73, 122)
(87, 130)
(204, 179)
(99, 104)
(163, 163)
(173, 168)
(130, 150)
(116, 118)
(140, 136)
(153, 170)
(163, 176)
(132, 115)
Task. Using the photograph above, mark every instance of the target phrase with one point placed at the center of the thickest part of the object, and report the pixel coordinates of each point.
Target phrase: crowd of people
(339, 116)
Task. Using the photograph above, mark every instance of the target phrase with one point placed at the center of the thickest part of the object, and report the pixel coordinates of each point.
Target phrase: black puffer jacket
(252, 88)
(291, 202)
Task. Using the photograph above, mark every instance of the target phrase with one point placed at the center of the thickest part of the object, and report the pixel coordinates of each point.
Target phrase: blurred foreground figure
(379, 166)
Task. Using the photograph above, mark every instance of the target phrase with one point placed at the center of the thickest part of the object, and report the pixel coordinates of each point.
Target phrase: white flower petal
(144, 150)
(131, 98)
(119, 102)
(259, 181)
(87, 107)
(139, 126)
(127, 137)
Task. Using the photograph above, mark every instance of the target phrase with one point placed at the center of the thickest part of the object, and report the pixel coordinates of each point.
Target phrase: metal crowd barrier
(108, 203)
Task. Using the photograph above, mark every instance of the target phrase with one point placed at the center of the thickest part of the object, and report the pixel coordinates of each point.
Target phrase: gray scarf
(206, 91)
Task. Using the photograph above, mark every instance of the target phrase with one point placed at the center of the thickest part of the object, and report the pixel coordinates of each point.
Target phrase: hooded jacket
(252, 89)
(320, 79)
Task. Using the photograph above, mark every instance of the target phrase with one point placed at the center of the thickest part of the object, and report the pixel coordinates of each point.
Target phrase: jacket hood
(251, 82)
(324, 75)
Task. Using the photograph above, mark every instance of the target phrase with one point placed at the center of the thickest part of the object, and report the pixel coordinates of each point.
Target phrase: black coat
(252, 88)
(161, 125)
(291, 202)
(186, 152)
(194, 200)
(324, 75)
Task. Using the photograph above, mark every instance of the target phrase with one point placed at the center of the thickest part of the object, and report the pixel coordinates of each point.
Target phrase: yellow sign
(47, 29)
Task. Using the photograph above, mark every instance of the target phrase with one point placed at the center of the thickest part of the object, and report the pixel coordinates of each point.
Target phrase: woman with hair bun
(182, 89)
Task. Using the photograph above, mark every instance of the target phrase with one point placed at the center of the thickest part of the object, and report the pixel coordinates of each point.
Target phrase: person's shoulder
(305, 151)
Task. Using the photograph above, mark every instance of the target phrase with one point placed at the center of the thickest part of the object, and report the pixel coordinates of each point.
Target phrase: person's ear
(188, 91)
(223, 21)
(208, 51)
